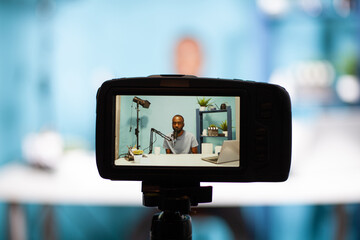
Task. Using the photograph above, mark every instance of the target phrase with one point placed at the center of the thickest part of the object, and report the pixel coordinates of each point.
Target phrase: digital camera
(242, 134)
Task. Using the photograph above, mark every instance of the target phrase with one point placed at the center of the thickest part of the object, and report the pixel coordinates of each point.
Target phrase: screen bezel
(120, 172)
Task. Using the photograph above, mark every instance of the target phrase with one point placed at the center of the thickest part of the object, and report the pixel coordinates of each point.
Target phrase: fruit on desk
(137, 152)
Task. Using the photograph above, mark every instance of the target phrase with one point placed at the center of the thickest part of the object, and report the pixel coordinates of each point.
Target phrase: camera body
(260, 113)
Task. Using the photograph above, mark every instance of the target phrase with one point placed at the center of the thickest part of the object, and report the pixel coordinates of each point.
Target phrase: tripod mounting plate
(175, 196)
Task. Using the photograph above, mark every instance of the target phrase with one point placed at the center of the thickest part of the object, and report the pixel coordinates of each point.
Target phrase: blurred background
(54, 54)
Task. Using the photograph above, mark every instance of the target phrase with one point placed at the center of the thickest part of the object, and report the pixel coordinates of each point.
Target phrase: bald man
(183, 142)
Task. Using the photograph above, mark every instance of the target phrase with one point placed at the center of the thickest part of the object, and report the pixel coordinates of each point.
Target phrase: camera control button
(266, 106)
(261, 144)
(260, 131)
(266, 114)
(266, 110)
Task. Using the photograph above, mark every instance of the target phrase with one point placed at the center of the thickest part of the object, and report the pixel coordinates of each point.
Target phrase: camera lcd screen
(174, 131)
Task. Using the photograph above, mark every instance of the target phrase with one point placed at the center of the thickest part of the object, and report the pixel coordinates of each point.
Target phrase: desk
(76, 181)
(332, 178)
(175, 160)
(325, 170)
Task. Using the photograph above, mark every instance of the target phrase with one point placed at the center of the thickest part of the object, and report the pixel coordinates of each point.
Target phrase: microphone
(175, 135)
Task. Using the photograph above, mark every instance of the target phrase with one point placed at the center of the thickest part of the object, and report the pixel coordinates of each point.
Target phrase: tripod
(175, 201)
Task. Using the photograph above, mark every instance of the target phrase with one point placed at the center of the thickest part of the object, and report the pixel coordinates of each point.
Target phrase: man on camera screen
(183, 142)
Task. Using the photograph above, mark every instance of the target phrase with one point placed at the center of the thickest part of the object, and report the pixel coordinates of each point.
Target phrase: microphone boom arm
(151, 138)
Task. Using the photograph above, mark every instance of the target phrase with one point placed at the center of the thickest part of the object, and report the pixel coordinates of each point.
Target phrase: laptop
(229, 152)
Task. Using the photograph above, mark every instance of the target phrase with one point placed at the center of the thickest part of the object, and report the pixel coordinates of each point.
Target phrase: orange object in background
(188, 57)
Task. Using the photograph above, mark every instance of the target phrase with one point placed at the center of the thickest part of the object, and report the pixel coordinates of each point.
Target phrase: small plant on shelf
(203, 103)
(224, 127)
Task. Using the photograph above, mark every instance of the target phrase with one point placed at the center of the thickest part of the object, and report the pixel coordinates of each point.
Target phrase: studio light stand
(174, 200)
(144, 104)
(137, 125)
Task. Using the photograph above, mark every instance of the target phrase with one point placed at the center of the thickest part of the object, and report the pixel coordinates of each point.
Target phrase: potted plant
(203, 103)
(224, 127)
(348, 78)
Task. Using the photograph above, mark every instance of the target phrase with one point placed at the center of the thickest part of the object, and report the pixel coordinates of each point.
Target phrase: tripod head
(174, 199)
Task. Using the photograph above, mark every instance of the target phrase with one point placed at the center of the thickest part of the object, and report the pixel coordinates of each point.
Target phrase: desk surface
(76, 181)
(325, 169)
(183, 160)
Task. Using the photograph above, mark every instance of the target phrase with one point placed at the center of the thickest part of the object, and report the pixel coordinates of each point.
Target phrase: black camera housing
(265, 129)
